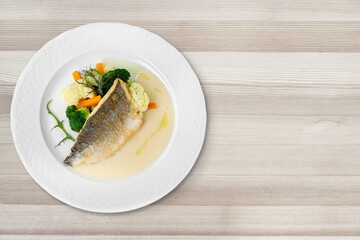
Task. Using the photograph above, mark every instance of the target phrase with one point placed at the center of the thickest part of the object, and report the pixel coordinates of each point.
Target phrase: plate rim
(22, 78)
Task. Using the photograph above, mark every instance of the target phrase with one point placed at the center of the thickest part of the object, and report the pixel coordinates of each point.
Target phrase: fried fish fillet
(108, 127)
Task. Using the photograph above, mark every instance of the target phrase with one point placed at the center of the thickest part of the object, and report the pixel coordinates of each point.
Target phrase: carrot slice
(100, 67)
(76, 75)
(89, 102)
(152, 105)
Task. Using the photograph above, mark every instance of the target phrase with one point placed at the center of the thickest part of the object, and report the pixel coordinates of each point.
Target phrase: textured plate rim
(59, 196)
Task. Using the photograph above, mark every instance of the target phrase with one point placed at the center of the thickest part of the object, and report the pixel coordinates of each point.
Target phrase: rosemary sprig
(59, 124)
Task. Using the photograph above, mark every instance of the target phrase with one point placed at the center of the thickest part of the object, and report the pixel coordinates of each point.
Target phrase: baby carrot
(100, 67)
(76, 75)
(89, 102)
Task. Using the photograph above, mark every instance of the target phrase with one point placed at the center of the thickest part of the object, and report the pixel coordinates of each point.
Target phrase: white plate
(86, 44)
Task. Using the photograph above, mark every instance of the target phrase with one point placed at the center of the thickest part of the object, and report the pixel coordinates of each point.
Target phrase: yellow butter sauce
(163, 124)
(148, 143)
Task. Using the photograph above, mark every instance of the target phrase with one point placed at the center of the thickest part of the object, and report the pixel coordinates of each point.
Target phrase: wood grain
(212, 190)
(184, 220)
(165, 10)
(210, 35)
(102, 237)
(282, 153)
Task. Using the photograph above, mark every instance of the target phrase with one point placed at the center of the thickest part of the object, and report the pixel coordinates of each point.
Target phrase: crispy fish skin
(108, 127)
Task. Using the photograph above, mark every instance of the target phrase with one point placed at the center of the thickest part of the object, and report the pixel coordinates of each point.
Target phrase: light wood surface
(282, 152)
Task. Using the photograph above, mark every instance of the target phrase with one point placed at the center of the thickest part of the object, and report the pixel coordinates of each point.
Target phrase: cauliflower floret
(139, 98)
(74, 92)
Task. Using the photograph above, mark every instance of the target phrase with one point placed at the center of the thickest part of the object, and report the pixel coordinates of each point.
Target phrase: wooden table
(282, 151)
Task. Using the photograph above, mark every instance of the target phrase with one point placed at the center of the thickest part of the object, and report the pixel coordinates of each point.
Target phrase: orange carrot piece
(76, 75)
(152, 105)
(100, 67)
(89, 102)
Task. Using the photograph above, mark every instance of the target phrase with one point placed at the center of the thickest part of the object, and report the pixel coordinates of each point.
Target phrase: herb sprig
(101, 84)
(59, 124)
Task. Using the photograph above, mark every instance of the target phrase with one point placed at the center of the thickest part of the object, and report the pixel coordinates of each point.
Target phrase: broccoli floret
(77, 117)
(109, 78)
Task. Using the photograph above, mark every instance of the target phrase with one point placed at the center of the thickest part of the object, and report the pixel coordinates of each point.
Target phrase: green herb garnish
(59, 124)
(101, 84)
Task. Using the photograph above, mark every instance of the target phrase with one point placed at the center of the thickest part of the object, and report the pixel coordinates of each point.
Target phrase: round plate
(96, 41)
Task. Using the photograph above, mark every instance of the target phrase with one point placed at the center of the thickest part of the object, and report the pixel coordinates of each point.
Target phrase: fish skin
(108, 127)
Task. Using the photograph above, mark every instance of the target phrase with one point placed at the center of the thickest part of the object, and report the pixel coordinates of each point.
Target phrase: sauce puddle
(163, 124)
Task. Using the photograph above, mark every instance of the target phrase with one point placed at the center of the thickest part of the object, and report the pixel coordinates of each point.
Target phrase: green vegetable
(59, 124)
(77, 117)
(109, 78)
(102, 84)
(92, 77)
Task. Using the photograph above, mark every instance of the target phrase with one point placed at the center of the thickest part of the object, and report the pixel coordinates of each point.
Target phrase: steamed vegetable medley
(90, 87)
